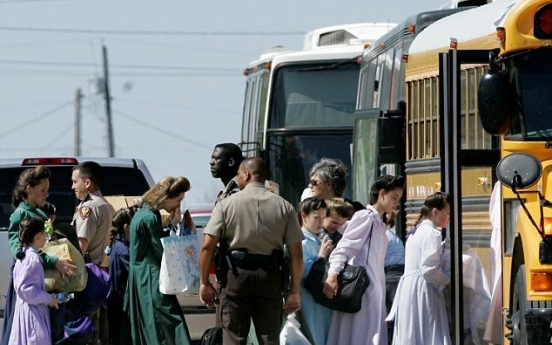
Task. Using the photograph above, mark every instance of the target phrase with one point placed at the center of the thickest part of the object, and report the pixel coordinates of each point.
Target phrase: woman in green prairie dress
(155, 318)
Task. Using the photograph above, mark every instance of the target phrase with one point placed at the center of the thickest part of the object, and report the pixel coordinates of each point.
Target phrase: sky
(175, 73)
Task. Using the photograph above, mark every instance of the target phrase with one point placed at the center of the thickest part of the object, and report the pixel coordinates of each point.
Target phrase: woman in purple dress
(364, 243)
(31, 318)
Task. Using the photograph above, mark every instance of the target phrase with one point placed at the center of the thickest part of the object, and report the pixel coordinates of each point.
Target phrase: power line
(33, 120)
(154, 33)
(49, 145)
(143, 67)
(163, 130)
(18, 1)
(66, 73)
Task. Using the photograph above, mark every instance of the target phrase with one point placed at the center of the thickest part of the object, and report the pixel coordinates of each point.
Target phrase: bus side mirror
(495, 103)
(519, 170)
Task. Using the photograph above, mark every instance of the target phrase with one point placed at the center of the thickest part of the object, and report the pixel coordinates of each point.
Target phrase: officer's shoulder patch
(84, 212)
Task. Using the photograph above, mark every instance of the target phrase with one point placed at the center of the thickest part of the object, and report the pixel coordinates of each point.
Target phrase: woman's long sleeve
(353, 240)
(431, 260)
(29, 282)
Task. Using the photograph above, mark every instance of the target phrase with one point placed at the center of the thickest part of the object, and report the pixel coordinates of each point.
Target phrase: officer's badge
(84, 212)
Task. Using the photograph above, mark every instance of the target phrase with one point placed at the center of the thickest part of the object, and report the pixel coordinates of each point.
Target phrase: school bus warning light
(543, 22)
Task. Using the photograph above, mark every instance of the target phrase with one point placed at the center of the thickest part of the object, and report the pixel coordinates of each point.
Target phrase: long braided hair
(122, 216)
(438, 200)
(28, 228)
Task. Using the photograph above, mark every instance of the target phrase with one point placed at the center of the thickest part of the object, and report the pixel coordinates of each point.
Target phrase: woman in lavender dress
(364, 243)
(31, 318)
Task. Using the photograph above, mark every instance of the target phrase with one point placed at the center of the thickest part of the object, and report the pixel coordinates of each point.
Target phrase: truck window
(116, 181)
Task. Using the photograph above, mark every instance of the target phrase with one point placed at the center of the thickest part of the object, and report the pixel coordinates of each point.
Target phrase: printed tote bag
(180, 265)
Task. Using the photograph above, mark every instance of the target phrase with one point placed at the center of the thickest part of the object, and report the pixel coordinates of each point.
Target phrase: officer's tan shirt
(255, 219)
(93, 221)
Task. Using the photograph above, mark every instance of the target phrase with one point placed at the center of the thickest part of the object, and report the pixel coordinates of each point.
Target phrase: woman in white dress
(364, 243)
(419, 307)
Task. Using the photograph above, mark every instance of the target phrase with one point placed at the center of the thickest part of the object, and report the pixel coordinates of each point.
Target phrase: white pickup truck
(121, 177)
(5, 265)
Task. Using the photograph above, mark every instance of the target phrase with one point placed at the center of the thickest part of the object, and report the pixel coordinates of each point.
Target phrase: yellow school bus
(473, 117)
(479, 88)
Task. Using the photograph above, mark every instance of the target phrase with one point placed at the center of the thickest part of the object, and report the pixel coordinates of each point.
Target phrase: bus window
(253, 109)
(291, 157)
(396, 79)
(246, 113)
(536, 89)
(369, 76)
(320, 96)
(364, 80)
(263, 90)
(378, 81)
(386, 82)
(426, 119)
(435, 118)
(365, 162)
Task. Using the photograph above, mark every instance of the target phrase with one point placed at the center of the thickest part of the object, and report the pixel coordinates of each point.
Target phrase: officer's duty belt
(245, 260)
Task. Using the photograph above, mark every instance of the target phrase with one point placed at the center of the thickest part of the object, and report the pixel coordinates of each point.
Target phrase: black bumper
(538, 324)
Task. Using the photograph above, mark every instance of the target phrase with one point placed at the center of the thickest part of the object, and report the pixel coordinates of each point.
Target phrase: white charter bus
(300, 106)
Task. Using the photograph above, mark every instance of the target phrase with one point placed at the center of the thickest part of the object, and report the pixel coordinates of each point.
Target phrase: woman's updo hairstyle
(29, 177)
(167, 188)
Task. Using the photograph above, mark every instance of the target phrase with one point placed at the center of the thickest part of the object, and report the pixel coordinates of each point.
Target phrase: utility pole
(110, 144)
(78, 97)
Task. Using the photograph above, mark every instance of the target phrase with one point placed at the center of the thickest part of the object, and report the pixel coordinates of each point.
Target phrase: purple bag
(95, 293)
(77, 332)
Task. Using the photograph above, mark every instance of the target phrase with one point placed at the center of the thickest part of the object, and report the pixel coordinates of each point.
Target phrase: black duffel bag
(352, 281)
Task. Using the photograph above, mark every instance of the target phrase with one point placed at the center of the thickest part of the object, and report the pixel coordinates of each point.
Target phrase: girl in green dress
(29, 194)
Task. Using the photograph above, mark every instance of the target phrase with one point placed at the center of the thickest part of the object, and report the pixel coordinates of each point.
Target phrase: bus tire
(519, 307)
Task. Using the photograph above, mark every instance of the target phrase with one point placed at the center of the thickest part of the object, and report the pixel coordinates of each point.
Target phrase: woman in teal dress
(155, 318)
(314, 318)
(29, 194)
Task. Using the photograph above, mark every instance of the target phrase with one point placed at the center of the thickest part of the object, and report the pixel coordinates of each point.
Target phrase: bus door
(378, 149)
(468, 175)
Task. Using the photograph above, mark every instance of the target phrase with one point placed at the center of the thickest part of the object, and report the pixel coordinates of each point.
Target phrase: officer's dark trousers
(393, 275)
(255, 294)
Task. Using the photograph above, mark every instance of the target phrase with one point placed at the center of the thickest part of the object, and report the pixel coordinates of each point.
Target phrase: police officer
(93, 221)
(225, 161)
(256, 224)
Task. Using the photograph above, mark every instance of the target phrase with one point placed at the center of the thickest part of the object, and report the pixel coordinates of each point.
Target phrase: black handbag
(352, 282)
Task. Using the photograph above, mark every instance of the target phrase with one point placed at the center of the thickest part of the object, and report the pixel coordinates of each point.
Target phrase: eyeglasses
(314, 182)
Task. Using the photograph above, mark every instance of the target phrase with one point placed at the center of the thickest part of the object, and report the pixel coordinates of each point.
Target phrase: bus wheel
(519, 305)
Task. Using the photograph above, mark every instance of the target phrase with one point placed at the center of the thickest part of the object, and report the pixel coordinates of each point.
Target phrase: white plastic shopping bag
(291, 333)
(179, 265)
